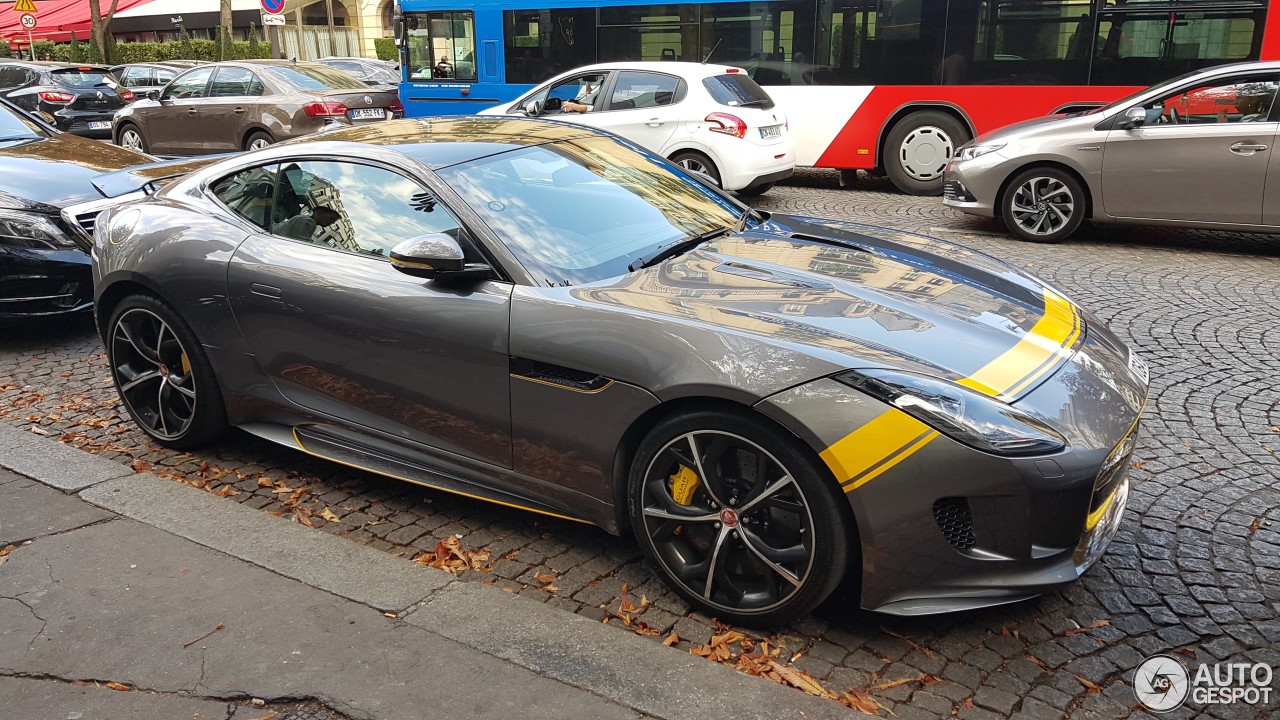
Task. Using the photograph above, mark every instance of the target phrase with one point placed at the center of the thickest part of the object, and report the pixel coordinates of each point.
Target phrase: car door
(1197, 138)
(170, 126)
(342, 333)
(223, 119)
(641, 107)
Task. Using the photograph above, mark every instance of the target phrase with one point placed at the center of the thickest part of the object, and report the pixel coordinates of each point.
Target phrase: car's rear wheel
(163, 375)
(742, 519)
(1043, 205)
(755, 190)
(131, 138)
(698, 163)
(258, 140)
(918, 148)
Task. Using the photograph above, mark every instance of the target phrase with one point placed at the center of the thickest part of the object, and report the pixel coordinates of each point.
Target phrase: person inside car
(585, 99)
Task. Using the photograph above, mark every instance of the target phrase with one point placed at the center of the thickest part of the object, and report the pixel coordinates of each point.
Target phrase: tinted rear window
(314, 78)
(737, 90)
(74, 77)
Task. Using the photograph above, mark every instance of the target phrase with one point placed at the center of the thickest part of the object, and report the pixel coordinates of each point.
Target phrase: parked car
(146, 80)
(710, 119)
(44, 262)
(81, 99)
(1194, 151)
(374, 73)
(249, 104)
(538, 314)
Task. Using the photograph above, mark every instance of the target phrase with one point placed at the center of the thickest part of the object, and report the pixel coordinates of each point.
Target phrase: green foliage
(4, 48)
(58, 52)
(207, 50)
(386, 49)
(255, 47)
(75, 53)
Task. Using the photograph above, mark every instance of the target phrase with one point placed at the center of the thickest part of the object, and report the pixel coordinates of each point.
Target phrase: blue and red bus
(890, 86)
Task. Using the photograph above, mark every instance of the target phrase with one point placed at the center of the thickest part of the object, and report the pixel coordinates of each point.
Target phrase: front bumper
(945, 527)
(972, 186)
(35, 283)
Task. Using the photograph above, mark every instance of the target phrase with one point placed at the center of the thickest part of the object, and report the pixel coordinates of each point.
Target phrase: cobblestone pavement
(1194, 571)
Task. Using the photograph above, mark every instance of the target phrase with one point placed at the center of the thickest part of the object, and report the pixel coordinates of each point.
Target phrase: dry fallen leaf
(119, 686)
(544, 578)
(329, 515)
(671, 639)
(1253, 526)
(923, 678)
(802, 680)
(861, 701)
(1091, 688)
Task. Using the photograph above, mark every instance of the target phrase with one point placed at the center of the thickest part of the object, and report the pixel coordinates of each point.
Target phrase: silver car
(1194, 151)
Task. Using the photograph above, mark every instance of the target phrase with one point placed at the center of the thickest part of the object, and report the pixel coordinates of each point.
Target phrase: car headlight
(962, 414)
(32, 230)
(970, 152)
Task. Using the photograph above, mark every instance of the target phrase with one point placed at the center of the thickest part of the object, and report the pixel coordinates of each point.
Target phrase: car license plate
(99, 124)
(368, 114)
(1138, 367)
(771, 132)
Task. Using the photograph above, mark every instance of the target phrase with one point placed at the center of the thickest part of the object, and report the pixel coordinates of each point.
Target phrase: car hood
(859, 296)
(48, 174)
(1046, 124)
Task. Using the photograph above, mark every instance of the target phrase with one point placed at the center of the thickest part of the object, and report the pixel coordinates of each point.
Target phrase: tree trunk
(99, 26)
(224, 24)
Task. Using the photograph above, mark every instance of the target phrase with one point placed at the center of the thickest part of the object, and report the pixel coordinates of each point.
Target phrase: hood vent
(771, 276)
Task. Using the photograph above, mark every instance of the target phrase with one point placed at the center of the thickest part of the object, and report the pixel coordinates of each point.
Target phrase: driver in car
(586, 97)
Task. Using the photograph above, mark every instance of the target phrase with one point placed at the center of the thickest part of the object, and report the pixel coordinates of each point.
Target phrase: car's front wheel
(1043, 204)
(163, 375)
(131, 138)
(741, 517)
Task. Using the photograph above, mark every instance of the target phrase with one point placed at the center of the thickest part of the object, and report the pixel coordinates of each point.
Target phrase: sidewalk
(246, 615)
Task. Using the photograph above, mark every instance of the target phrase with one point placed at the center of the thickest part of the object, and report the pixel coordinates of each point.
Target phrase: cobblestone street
(1194, 571)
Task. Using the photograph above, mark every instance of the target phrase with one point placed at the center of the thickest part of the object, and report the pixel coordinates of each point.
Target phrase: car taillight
(396, 106)
(325, 109)
(726, 124)
(57, 97)
(126, 95)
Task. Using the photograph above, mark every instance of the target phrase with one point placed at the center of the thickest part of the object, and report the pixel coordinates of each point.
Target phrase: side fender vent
(955, 521)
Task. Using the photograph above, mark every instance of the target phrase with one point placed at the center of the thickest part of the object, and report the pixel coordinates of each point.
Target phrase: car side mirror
(436, 256)
(533, 108)
(1134, 117)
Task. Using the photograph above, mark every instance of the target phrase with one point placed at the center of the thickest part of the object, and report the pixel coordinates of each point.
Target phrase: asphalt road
(1195, 569)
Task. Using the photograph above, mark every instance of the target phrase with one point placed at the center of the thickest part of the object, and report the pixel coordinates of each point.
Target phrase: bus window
(774, 47)
(1015, 42)
(649, 33)
(1139, 48)
(541, 44)
(880, 42)
(442, 46)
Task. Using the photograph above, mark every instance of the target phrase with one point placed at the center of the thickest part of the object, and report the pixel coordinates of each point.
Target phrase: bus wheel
(918, 148)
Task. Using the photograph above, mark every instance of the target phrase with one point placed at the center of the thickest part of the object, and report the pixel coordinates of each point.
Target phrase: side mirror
(401, 33)
(1134, 117)
(436, 256)
(533, 108)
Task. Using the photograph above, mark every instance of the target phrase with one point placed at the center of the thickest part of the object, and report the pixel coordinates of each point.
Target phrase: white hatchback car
(711, 119)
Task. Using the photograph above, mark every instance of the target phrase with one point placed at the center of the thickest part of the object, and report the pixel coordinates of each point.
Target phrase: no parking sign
(273, 6)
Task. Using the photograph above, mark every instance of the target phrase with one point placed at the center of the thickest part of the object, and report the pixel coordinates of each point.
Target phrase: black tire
(804, 524)
(137, 132)
(187, 409)
(258, 136)
(697, 162)
(1055, 211)
(918, 148)
(756, 190)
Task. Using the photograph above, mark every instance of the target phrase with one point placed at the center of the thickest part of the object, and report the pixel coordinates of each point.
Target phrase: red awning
(56, 19)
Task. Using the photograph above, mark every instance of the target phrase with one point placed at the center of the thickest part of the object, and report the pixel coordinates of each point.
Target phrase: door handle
(274, 293)
(655, 122)
(191, 111)
(1247, 148)
(239, 111)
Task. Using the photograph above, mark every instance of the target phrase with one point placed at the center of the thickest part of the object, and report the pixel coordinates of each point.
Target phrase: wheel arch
(1054, 164)
(119, 129)
(113, 294)
(915, 106)
(253, 129)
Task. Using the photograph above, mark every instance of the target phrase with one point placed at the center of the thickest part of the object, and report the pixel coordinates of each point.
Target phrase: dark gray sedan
(539, 315)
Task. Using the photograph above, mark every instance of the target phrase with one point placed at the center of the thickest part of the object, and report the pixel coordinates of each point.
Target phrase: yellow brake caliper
(683, 484)
(186, 365)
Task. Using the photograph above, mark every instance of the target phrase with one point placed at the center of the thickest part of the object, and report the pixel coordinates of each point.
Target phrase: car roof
(687, 70)
(438, 142)
(54, 65)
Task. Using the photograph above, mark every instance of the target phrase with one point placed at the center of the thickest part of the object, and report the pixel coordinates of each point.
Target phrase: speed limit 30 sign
(28, 21)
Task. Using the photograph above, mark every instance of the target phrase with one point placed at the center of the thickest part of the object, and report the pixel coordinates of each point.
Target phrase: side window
(191, 85)
(643, 90)
(442, 45)
(235, 82)
(249, 193)
(356, 208)
(9, 77)
(349, 68)
(584, 90)
(1227, 100)
(162, 77)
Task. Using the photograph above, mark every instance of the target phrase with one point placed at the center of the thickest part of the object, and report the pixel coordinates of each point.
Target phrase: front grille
(949, 191)
(86, 222)
(955, 521)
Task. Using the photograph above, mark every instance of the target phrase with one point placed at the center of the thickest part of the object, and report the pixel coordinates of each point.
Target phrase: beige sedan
(247, 105)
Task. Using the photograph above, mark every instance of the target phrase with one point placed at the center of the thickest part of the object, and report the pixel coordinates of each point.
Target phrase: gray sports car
(540, 315)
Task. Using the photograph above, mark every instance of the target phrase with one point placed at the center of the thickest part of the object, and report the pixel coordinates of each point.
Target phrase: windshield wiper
(749, 103)
(678, 247)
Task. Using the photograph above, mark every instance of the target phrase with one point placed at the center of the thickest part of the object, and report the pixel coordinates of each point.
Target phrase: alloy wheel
(925, 152)
(258, 143)
(728, 520)
(154, 374)
(131, 140)
(1042, 205)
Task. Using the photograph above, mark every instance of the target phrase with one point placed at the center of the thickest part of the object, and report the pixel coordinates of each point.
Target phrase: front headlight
(32, 230)
(959, 413)
(970, 152)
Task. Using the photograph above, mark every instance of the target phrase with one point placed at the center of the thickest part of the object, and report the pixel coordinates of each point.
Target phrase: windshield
(582, 210)
(83, 77)
(736, 90)
(314, 77)
(13, 126)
